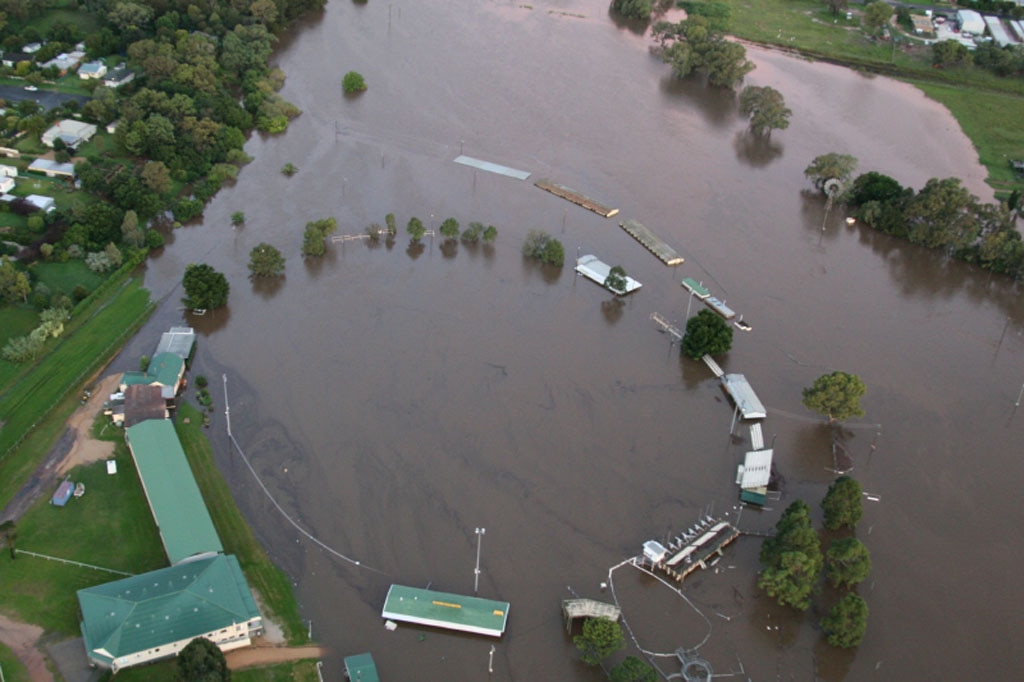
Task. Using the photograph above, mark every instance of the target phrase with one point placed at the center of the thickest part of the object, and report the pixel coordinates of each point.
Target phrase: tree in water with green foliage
(202, 661)
(842, 503)
(846, 622)
(543, 247)
(449, 229)
(265, 261)
(632, 669)
(766, 108)
(706, 334)
(205, 288)
(831, 166)
(314, 239)
(353, 82)
(836, 396)
(415, 229)
(616, 281)
(694, 44)
(792, 560)
(634, 9)
(601, 638)
(847, 562)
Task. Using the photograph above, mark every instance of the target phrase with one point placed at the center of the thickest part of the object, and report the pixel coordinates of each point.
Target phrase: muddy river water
(395, 400)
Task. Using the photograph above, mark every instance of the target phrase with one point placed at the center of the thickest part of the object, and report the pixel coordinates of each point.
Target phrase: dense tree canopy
(265, 261)
(616, 281)
(847, 562)
(635, 9)
(205, 288)
(314, 239)
(791, 560)
(632, 669)
(842, 503)
(766, 108)
(694, 45)
(543, 247)
(846, 622)
(836, 396)
(601, 638)
(202, 661)
(877, 15)
(706, 334)
(832, 165)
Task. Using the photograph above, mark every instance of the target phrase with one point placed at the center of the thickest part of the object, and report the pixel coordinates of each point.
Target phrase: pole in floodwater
(476, 571)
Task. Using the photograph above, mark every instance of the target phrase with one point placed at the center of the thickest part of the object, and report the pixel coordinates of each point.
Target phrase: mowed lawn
(110, 526)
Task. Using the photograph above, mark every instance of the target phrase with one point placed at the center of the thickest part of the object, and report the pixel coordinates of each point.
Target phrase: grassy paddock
(110, 526)
(18, 320)
(66, 276)
(14, 671)
(273, 585)
(37, 402)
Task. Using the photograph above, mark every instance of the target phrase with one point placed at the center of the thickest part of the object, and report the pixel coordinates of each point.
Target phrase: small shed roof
(63, 494)
(445, 610)
(594, 269)
(174, 498)
(142, 402)
(361, 668)
(743, 395)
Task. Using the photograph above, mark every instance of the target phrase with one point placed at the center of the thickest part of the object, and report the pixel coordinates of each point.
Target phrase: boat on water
(742, 325)
(720, 307)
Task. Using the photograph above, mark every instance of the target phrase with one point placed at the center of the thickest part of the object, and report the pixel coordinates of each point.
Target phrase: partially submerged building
(445, 610)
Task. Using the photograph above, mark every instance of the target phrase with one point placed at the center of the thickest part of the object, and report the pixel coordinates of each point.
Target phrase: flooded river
(395, 400)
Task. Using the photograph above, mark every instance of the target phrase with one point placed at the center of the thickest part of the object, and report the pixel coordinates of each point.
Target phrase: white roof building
(71, 131)
(92, 70)
(8, 171)
(970, 21)
(42, 203)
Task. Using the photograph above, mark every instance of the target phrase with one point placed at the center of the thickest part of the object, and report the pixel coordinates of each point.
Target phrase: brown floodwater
(395, 400)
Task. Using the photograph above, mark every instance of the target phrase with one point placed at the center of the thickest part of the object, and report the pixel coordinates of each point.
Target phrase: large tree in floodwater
(695, 45)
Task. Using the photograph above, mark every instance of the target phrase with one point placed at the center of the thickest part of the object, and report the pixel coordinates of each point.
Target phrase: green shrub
(353, 82)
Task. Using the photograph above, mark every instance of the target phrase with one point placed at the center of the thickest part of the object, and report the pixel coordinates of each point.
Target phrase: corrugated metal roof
(444, 610)
(178, 508)
(743, 395)
(757, 469)
(361, 668)
(177, 340)
(142, 612)
(594, 269)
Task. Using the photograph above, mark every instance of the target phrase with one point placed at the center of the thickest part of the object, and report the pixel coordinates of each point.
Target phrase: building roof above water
(444, 610)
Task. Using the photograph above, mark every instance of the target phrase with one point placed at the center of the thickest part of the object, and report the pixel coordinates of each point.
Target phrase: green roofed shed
(152, 616)
(361, 668)
(444, 610)
(178, 508)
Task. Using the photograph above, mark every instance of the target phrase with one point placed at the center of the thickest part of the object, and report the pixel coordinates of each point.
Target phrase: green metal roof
(164, 606)
(166, 368)
(178, 508)
(136, 378)
(444, 610)
(361, 668)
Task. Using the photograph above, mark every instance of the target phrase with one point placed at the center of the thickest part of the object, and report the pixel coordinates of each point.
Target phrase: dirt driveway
(21, 638)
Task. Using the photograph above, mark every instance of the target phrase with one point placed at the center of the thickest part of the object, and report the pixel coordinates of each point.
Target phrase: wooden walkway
(713, 366)
(576, 198)
(652, 242)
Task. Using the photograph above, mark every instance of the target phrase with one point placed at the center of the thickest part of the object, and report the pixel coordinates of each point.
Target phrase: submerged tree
(205, 288)
(543, 247)
(832, 165)
(265, 261)
(415, 229)
(706, 334)
(791, 560)
(632, 669)
(836, 396)
(695, 44)
(601, 638)
(616, 281)
(846, 622)
(766, 108)
(314, 239)
(449, 229)
(842, 503)
(847, 562)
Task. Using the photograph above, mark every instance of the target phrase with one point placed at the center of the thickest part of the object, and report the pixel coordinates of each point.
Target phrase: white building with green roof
(445, 610)
(153, 616)
(174, 498)
(166, 370)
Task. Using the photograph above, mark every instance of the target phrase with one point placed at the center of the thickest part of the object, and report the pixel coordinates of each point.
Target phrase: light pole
(490, 661)
(1020, 395)
(476, 571)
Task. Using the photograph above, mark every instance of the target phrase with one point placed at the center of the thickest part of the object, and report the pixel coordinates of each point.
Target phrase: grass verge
(36, 405)
(273, 585)
(110, 526)
(14, 671)
(166, 671)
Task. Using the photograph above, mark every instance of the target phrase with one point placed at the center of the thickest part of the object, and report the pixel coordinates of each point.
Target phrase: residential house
(165, 370)
(6, 184)
(32, 48)
(8, 171)
(52, 169)
(118, 77)
(65, 61)
(94, 70)
(72, 132)
(12, 59)
(42, 203)
(140, 402)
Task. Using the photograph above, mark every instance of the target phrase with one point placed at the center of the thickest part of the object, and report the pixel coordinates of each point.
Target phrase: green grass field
(17, 321)
(237, 536)
(37, 400)
(14, 671)
(66, 276)
(110, 526)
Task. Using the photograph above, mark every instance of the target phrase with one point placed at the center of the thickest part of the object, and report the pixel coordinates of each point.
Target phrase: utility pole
(490, 662)
(1019, 396)
(476, 571)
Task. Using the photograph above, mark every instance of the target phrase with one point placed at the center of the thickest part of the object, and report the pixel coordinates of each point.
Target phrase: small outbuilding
(64, 492)
(970, 22)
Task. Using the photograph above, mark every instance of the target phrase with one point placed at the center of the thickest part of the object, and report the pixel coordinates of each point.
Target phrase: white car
(31, 88)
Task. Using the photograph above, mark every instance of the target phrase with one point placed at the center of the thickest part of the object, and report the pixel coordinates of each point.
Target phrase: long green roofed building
(174, 498)
(445, 610)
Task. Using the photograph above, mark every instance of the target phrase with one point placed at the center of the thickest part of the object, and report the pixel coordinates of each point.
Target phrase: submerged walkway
(577, 198)
(651, 242)
(492, 167)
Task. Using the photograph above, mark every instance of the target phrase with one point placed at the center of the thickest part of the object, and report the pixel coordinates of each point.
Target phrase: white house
(53, 169)
(970, 22)
(92, 70)
(8, 171)
(118, 77)
(6, 184)
(72, 132)
(42, 203)
(32, 48)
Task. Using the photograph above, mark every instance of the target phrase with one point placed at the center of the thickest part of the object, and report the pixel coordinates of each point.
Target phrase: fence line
(70, 561)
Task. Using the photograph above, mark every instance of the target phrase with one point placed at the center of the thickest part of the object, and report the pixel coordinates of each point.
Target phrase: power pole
(476, 571)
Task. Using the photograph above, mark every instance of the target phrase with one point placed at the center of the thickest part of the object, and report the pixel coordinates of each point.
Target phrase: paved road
(47, 98)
